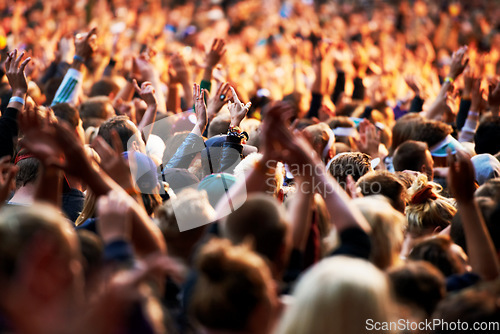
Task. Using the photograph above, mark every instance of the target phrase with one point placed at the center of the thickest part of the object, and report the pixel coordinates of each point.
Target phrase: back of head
(28, 172)
(355, 164)
(233, 283)
(431, 132)
(262, 221)
(20, 227)
(386, 184)
(122, 125)
(95, 110)
(404, 128)
(68, 113)
(490, 188)
(427, 210)
(437, 251)
(469, 307)
(321, 136)
(387, 226)
(104, 87)
(219, 125)
(487, 137)
(338, 295)
(410, 155)
(418, 284)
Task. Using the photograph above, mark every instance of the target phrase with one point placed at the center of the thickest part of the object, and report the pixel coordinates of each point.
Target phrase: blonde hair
(337, 296)
(388, 226)
(427, 209)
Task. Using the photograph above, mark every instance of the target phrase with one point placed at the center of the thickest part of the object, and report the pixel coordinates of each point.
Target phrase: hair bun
(423, 195)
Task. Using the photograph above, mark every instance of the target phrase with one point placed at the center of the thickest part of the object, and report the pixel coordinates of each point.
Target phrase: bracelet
(234, 128)
(473, 113)
(449, 79)
(17, 99)
(78, 58)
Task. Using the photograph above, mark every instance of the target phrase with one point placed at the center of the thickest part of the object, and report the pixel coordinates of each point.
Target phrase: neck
(24, 195)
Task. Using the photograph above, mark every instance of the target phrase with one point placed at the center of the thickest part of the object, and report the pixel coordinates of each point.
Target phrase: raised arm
(85, 46)
(14, 69)
(147, 93)
(482, 255)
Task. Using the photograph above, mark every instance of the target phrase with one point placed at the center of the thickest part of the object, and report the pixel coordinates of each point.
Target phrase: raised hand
(369, 138)
(39, 137)
(221, 97)
(178, 72)
(146, 92)
(14, 70)
(86, 44)
(457, 62)
(476, 95)
(142, 69)
(114, 213)
(494, 97)
(414, 84)
(237, 109)
(200, 109)
(112, 161)
(216, 53)
(461, 176)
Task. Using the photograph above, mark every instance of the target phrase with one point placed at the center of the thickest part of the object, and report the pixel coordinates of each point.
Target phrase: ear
(437, 230)
(135, 146)
(423, 169)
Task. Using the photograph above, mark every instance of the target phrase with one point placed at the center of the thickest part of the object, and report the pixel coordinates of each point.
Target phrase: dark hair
(50, 89)
(437, 251)
(123, 127)
(260, 220)
(404, 128)
(383, 183)
(431, 132)
(418, 283)
(410, 155)
(231, 285)
(28, 171)
(68, 113)
(478, 304)
(356, 164)
(487, 137)
(104, 87)
(95, 111)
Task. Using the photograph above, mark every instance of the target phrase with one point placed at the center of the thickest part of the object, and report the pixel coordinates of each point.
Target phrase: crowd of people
(225, 166)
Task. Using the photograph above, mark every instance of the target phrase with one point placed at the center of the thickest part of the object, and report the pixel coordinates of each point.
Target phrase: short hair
(320, 136)
(122, 125)
(50, 89)
(29, 169)
(104, 87)
(383, 183)
(431, 132)
(261, 220)
(490, 188)
(68, 113)
(219, 125)
(437, 251)
(355, 164)
(410, 155)
(477, 304)
(233, 281)
(196, 204)
(418, 284)
(487, 137)
(95, 110)
(20, 225)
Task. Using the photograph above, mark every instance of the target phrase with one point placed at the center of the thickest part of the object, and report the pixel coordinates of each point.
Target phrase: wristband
(17, 99)
(449, 79)
(78, 58)
(473, 113)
